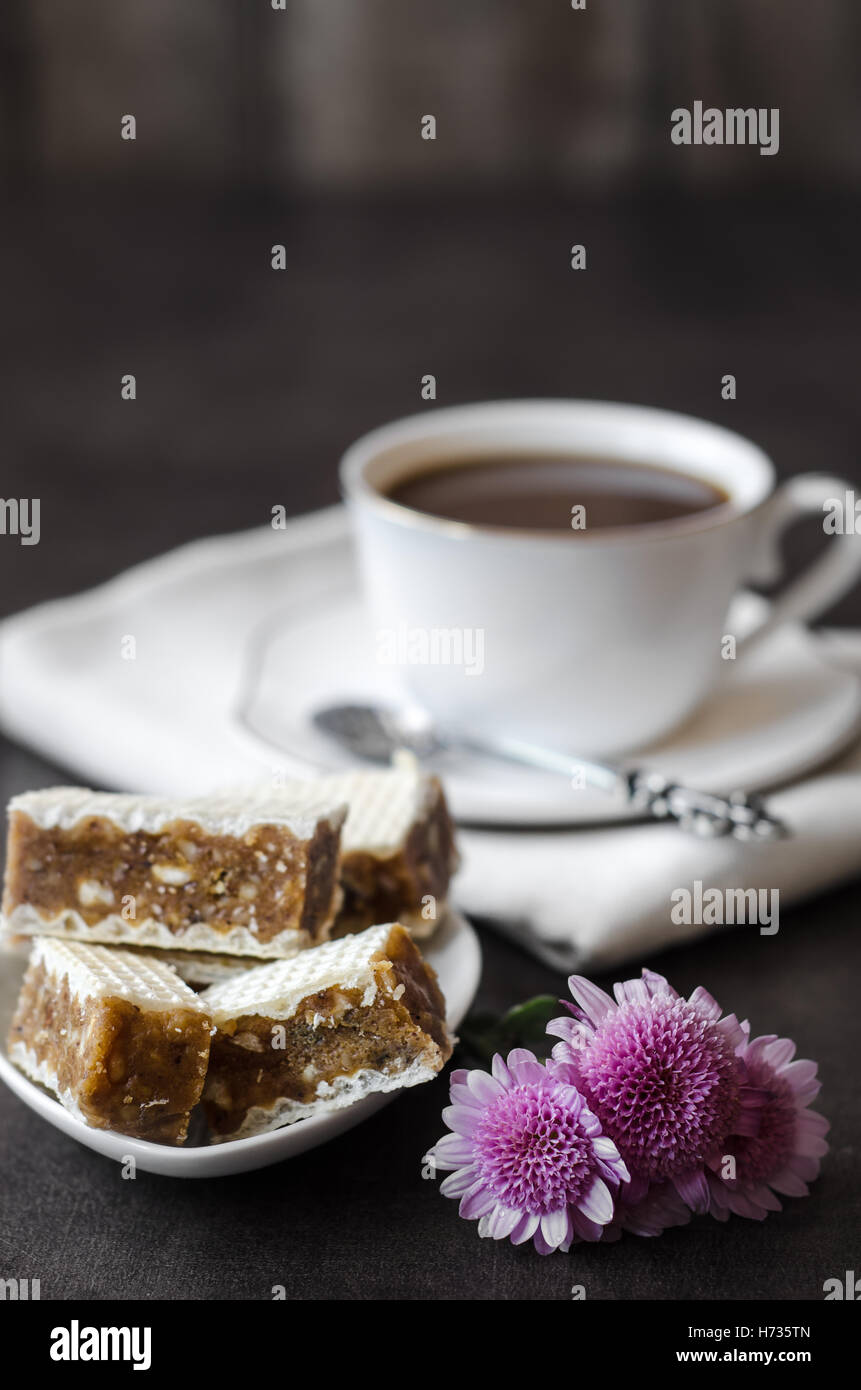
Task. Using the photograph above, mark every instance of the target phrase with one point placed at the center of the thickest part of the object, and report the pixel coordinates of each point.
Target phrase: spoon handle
(741, 814)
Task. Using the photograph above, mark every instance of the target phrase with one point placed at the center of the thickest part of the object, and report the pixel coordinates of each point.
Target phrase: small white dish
(454, 953)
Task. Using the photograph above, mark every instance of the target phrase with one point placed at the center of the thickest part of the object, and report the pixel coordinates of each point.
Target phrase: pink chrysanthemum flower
(663, 1076)
(528, 1155)
(784, 1155)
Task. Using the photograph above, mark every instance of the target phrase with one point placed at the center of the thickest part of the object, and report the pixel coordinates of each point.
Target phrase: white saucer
(779, 711)
(454, 953)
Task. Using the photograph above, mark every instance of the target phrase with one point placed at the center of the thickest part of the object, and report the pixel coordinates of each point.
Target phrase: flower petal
(563, 1053)
(788, 1183)
(502, 1221)
(500, 1070)
(564, 1071)
(484, 1086)
(541, 1245)
(634, 1191)
(731, 1029)
(604, 1147)
(693, 1188)
(555, 1227)
(805, 1095)
(717, 1204)
(755, 1050)
(462, 1095)
(805, 1168)
(631, 992)
(743, 1204)
(765, 1197)
(597, 1205)
(658, 984)
(583, 1227)
(753, 1097)
(778, 1052)
(458, 1182)
(811, 1146)
(464, 1119)
(592, 1000)
(525, 1228)
(706, 1003)
(478, 1200)
(589, 1123)
(614, 1174)
(566, 1028)
(452, 1150)
(525, 1067)
(799, 1074)
(813, 1123)
(747, 1122)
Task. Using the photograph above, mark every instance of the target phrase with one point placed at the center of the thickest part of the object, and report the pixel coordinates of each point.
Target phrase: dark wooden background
(328, 94)
(249, 386)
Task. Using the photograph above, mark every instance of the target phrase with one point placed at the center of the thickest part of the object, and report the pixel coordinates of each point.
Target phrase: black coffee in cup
(538, 492)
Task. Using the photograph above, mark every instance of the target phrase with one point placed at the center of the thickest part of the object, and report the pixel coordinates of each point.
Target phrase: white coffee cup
(596, 642)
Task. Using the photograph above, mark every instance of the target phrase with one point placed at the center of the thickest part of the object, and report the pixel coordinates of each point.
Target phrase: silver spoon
(373, 733)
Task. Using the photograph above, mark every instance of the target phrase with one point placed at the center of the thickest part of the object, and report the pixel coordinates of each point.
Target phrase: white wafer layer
(277, 990)
(228, 813)
(27, 920)
(101, 972)
(383, 804)
(45, 1073)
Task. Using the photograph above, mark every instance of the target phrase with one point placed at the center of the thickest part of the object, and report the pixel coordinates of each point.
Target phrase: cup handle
(829, 576)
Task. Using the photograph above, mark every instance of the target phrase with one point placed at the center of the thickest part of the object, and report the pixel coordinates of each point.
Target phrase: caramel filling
(256, 1061)
(393, 889)
(266, 882)
(132, 1070)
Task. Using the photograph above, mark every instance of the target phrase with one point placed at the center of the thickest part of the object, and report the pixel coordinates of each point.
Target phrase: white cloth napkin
(162, 722)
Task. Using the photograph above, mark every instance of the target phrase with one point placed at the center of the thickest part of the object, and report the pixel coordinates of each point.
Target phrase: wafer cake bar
(121, 1041)
(397, 848)
(250, 875)
(298, 1038)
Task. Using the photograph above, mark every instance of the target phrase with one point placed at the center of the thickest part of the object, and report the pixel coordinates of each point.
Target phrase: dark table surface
(249, 386)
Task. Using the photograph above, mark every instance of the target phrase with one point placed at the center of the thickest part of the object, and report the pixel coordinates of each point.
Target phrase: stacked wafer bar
(297, 1038)
(398, 851)
(251, 875)
(125, 1044)
(398, 856)
(122, 1042)
(202, 891)
(260, 874)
